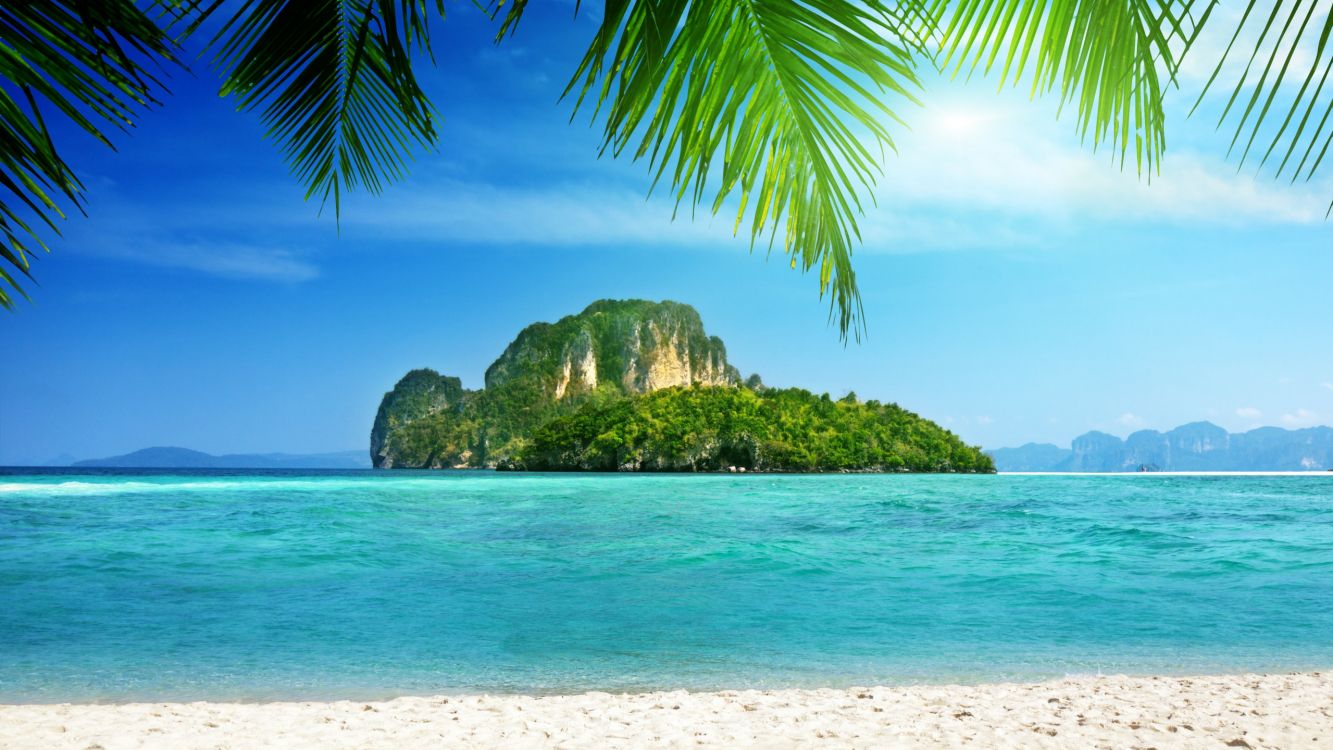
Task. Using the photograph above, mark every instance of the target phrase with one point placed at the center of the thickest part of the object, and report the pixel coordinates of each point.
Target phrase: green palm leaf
(1109, 59)
(85, 62)
(779, 105)
(1287, 32)
(333, 81)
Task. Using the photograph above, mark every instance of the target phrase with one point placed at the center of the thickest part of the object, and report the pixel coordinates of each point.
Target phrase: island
(635, 385)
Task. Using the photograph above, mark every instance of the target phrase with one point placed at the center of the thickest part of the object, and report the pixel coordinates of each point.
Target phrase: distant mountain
(184, 458)
(1029, 457)
(1198, 446)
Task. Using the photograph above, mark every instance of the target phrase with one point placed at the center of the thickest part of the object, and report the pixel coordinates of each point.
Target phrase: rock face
(612, 348)
(420, 394)
(630, 346)
(1096, 451)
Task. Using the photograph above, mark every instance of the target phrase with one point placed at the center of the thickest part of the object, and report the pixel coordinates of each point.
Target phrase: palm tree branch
(777, 106)
(333, 81)
(85, 62)
(1292, 44)
(1108, 59)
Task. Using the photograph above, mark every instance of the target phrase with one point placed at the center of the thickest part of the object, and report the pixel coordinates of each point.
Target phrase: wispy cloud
(1328, 385)
(1249, 412)
(1300, 418)
(1129, 419)
(993, 163)
(232, 261)
(229, 260)
(559, 214)
(1210, 45)
(272, 244)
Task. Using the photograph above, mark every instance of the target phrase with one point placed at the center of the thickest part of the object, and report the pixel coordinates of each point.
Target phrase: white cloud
(1207, 50)
(251, 262)
(1129, 419)
(230, 260)
(1017, 162)
(272, 245)
(557, 214)
(1249, 412)
(1300, 418)
(1327, 385)
(985, 420)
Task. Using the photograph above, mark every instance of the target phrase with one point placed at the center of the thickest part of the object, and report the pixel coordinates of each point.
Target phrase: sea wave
(132, 487)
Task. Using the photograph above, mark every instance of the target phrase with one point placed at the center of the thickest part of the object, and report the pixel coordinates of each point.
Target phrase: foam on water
(358, 584)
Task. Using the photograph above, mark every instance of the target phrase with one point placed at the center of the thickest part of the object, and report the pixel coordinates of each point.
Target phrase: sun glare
(960, 123)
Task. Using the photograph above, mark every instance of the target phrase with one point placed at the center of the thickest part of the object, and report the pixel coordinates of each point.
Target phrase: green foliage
(333, 80)
(1306, 129)
(792, 100)
(89, 63)
(1108, 58)
(711, 428)
(415, 424)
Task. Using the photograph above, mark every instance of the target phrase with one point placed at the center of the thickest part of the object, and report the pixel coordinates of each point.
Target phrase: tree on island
(777, 109)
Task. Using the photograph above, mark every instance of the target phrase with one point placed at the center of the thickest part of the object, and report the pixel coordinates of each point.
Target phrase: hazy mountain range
(184, 458)
(1198, 446)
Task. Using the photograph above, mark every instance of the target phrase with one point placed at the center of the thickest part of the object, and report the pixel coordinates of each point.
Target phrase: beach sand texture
(1242, 711)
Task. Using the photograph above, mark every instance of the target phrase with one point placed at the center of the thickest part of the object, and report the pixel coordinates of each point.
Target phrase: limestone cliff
(420, 394)
(612, 348)
(630, 346)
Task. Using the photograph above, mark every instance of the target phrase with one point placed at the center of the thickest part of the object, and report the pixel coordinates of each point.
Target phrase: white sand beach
(1242, 711)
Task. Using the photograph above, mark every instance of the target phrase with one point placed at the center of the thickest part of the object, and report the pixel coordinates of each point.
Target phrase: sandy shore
(1256, 711)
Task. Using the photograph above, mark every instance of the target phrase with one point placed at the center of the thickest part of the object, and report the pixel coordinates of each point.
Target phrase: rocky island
(634, 385)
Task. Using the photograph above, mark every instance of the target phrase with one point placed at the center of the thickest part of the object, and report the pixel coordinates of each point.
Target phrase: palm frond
(85, 62)
(333, 81)
(1109, 59)
(511, 17)
(1292, 44)
(779, 105)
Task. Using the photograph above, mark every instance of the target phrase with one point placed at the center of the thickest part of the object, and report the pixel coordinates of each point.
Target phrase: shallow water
(216, 585)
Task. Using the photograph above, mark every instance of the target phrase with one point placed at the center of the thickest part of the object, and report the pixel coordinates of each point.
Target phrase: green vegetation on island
(714, 428)
(632, 385)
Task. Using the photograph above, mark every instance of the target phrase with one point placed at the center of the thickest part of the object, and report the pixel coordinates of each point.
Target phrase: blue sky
(1017, 286)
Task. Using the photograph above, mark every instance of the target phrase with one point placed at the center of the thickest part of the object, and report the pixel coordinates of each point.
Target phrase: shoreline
(1243, 710)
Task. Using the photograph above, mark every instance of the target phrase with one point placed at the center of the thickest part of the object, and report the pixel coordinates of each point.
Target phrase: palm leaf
(86, 62)
(1287, 32)
(1109, 59)
(333, 81)
(780, 106)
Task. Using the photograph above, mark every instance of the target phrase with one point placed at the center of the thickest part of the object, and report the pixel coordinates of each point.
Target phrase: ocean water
(235, 585)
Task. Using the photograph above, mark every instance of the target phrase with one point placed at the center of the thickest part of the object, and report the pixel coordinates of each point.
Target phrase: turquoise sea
(233, 585)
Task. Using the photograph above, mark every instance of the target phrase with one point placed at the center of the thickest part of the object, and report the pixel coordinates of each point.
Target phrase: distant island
(184, 458)
(1198, 446)
(634, 385)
